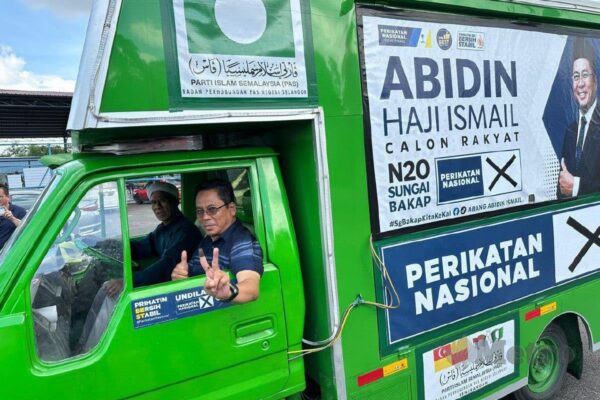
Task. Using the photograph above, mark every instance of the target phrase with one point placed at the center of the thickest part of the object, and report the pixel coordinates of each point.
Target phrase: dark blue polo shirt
(6, 226)
(238, 251)
(166, 242)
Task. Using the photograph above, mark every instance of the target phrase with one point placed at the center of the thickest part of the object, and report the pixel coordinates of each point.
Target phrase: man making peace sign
(227, 245)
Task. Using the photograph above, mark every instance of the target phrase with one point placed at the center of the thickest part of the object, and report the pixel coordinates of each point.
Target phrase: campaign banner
(576, 234)
(470, 363)
(171, 306)
(464, 116)
(481, 175)
(240, 49)
(446, 278)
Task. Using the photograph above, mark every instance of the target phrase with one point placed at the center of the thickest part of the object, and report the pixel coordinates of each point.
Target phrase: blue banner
(162, 308)
(450, 277)
(459, 178)
(390, 35)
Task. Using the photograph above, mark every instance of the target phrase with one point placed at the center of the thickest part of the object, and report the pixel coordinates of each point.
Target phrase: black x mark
(205, 301)
(592, 239)
(502, 171)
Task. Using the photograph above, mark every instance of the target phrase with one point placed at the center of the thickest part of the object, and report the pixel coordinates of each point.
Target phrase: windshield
(45, 195)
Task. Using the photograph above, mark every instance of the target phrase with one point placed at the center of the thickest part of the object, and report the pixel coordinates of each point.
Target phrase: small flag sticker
(450, 354)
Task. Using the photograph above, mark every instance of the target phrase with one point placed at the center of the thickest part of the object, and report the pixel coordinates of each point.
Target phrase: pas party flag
(240, 27)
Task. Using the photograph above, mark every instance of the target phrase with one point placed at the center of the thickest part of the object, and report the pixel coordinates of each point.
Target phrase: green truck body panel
(308, 171)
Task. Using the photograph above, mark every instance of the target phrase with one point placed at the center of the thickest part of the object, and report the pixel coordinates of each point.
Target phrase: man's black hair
(582, 48)
(221, 186)
(5, 187)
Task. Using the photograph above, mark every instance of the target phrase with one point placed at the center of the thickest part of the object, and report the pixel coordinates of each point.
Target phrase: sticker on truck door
(162, 308)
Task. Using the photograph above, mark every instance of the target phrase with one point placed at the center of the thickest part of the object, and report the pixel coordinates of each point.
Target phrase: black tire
(137, 199)
(547, 366)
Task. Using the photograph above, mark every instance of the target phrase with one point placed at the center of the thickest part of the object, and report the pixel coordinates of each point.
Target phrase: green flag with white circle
(240, 48)
(240, 27)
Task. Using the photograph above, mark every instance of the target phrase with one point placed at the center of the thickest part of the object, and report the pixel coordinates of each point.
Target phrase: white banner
(469, 364)
(461, 117)
(240, 48)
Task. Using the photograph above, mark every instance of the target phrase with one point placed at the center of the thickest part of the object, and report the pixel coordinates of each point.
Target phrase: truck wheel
(548, 365)
(137, 199)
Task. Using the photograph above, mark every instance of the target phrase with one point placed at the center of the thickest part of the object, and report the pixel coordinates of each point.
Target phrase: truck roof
(88, 162)
(147, 84)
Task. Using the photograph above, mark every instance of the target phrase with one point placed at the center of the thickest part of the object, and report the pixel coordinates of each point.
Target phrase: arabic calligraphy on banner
(249, 68)
(254, 50)
(470, 363)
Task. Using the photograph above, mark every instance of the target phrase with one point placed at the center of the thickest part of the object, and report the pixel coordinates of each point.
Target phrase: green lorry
(403, 165)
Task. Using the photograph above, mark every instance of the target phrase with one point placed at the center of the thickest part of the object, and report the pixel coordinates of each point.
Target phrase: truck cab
(63, 335)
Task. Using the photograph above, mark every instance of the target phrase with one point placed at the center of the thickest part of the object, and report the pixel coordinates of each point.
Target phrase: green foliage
(32, 150)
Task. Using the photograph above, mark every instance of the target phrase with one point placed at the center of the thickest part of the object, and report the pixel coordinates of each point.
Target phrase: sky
(41, 43)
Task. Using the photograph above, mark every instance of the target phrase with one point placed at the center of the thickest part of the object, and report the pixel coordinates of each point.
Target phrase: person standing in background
(10, 215)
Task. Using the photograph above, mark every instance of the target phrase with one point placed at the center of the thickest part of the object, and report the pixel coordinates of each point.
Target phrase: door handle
(254, 330)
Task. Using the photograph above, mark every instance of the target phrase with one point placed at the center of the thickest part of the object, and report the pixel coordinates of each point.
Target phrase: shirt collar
(589, 113)
(228, 233)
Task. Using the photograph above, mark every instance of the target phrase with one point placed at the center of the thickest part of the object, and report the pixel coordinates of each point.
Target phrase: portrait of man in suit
(580, 160)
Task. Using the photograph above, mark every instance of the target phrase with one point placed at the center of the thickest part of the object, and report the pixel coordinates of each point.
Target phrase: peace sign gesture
(217, 281)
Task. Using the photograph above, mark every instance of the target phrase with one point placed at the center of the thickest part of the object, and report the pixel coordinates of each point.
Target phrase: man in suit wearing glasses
(580, 162)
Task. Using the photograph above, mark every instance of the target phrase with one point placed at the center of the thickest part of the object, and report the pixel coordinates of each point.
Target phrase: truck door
(169, 340)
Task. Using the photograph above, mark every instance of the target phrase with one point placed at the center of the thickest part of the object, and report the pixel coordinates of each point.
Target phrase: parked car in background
(140, 195)
(25, 198)
(100, 211)
(103, 196)
(88, 215)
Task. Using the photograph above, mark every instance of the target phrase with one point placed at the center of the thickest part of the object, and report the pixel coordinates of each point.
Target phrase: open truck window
(141, 219)
(152, 242)
(67, 291)
(158, 230)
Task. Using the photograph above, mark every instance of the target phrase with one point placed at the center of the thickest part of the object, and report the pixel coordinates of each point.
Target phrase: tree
(31, 150)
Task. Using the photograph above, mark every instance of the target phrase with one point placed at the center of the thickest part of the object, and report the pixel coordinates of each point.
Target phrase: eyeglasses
(210, 210)
(584, 75)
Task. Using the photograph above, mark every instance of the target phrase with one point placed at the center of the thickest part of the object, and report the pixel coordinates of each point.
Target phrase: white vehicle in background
(25, 198)
(102, 208)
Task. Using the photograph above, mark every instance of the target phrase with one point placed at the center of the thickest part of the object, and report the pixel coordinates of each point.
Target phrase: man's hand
(9, 216)
(181, 270)
(113, 287)
(217, 281)
(565, 180)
